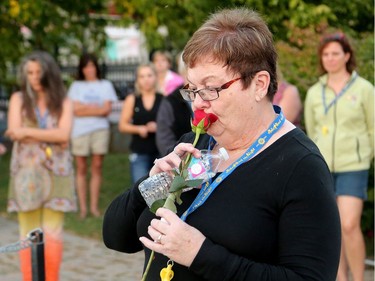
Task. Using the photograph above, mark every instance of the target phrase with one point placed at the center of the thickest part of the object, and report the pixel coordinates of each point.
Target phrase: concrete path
(84, 259)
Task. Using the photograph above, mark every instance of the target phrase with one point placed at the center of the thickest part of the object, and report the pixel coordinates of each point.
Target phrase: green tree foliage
(51, 25)
(357, 15)
(67, 27)
(182, 17)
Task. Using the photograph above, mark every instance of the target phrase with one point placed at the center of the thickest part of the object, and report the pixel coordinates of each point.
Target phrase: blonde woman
(138, 118)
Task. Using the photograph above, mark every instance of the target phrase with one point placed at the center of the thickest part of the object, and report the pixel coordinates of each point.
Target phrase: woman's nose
(199, 103)
(33, 77)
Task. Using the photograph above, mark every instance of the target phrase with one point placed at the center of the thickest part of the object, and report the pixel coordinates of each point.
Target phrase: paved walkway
(84, 259)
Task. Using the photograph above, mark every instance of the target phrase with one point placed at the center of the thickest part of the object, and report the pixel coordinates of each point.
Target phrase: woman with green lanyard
(339, 115)
(270, 212)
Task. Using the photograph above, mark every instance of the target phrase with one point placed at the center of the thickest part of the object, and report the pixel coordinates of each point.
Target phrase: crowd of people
(265, 216)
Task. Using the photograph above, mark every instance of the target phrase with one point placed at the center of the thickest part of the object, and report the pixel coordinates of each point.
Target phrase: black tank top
(141, 116)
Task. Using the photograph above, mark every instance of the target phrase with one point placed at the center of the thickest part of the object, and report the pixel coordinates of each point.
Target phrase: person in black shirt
(174, 115)
(138, 117)
(271, 213)
(173, 120)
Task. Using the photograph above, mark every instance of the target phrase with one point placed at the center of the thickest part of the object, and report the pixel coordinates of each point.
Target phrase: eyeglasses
(207, 94)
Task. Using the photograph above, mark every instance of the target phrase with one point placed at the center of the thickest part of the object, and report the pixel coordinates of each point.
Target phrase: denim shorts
(140, 164)
(351, 183)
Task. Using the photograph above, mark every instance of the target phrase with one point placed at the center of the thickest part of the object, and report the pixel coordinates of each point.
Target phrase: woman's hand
(173, 159)
(151, 126)
(3, 149)
(173, 238)
(142, 131)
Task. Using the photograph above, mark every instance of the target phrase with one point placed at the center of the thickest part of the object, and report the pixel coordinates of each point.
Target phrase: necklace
(338, 96)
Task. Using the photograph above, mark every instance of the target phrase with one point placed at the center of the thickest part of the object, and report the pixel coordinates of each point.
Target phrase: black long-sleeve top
(141, 116)
(274, 218)
(173, 119)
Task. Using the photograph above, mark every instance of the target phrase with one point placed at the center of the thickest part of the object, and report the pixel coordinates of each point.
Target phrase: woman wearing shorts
(339, 115)
(92, 98)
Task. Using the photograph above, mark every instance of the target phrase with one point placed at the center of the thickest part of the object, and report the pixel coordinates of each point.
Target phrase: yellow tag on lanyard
(324, 130)
(167, 273)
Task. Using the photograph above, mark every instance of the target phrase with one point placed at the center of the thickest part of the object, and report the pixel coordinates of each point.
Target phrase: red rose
(202, 120)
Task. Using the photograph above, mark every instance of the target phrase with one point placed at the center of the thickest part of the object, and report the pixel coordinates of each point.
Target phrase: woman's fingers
(182, 149)
(173, 238)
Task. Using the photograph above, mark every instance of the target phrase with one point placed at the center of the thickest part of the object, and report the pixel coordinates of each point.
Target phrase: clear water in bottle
(157, 186)
(207, 165)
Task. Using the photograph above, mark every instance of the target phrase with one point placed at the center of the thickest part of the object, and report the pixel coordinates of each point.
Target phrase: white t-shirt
(91, 92)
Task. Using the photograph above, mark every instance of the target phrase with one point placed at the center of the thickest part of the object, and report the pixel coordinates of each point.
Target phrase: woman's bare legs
(95, 183)
(81, 173)
(350, 209)
(342, 273)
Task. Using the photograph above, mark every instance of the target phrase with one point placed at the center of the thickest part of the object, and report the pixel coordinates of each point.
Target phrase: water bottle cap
(224, 153)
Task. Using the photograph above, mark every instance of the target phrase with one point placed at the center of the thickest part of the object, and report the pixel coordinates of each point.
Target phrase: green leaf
(184, 173)
(178, 197)
(178, 183)
(169, 204)
(156, 205)
(193, 183)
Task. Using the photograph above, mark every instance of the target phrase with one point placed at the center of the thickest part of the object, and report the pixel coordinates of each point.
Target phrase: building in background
(124, 44)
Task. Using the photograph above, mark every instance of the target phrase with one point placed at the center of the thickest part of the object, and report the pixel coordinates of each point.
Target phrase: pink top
(280, 92)
(279, 96)
(172, 82)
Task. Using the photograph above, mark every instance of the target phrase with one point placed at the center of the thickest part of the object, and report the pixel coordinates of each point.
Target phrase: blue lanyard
(209, 187)
(342, 92)
(42, 120)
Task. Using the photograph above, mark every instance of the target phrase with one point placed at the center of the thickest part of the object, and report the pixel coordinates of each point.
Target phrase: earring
(261, 95)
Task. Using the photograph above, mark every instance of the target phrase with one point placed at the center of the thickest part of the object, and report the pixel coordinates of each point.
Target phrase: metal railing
(34, 240)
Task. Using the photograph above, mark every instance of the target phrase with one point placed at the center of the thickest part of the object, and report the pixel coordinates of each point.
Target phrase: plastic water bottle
(157, 186)
(207, 165)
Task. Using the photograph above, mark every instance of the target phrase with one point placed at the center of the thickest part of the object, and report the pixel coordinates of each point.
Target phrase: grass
(116, 179)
